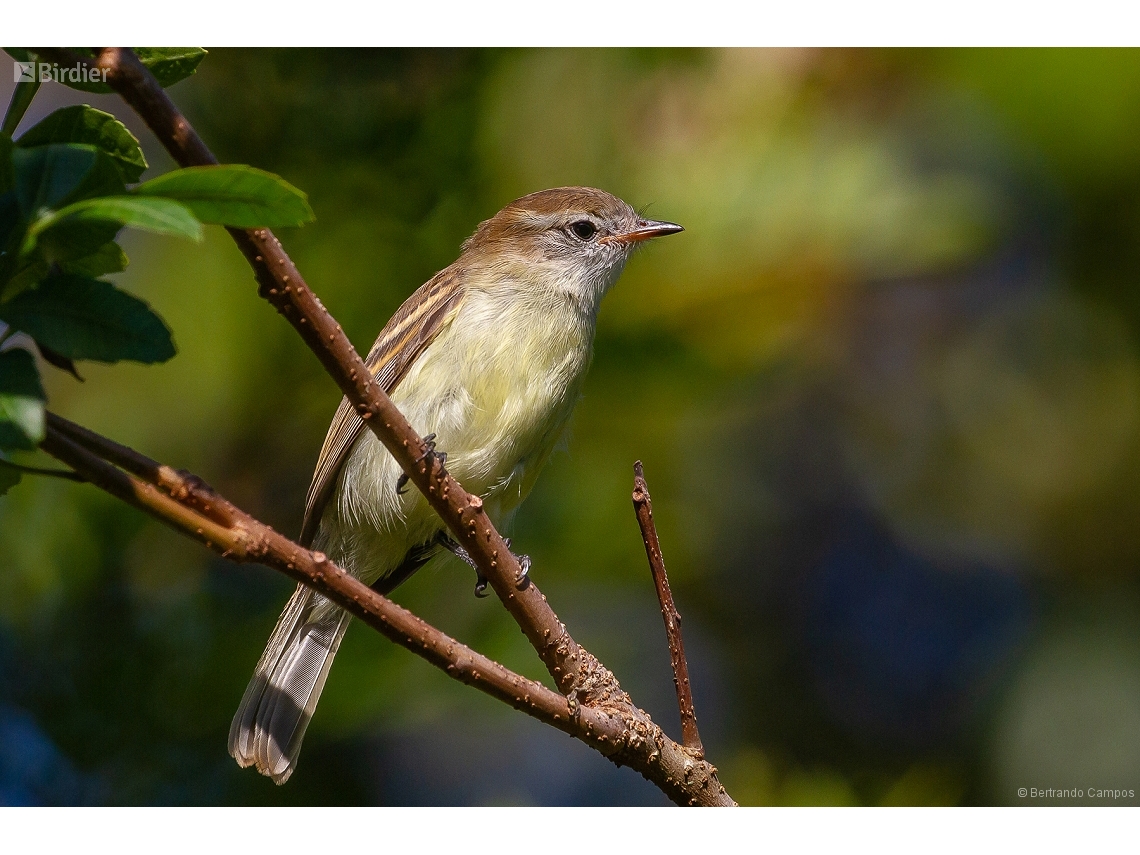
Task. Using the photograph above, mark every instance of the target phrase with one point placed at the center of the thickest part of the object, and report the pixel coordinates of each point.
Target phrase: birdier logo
(45, 72)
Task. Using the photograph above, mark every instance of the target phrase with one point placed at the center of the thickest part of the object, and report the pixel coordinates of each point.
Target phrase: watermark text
(51, 72)
(1085, 793)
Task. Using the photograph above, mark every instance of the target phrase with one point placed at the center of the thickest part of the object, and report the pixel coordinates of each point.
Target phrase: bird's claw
(521, 580)
(429, 441)
(523, 577)
(461, 553)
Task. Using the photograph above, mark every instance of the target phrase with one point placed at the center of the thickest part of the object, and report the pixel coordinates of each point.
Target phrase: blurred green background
(886, 387)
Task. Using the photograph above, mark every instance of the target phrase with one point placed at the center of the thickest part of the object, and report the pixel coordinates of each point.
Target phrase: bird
(487, 360)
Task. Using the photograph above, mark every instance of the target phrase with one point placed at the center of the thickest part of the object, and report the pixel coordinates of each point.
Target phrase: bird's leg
(463, 555)
(429, 441)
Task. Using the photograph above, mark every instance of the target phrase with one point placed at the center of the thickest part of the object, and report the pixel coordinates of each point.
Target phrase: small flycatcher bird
(489, 356)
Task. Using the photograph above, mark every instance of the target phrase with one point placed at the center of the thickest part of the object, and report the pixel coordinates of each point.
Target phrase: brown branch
(612, 725)
(188, 489)
(245, 539)
(687, 780)
(643, 507)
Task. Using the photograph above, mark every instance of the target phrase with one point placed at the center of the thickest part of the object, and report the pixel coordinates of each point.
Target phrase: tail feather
(282, 695)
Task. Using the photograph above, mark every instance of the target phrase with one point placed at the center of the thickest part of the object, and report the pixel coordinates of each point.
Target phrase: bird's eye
(583, 229)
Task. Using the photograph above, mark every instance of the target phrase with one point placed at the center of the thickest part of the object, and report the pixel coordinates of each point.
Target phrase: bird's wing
(414, 326)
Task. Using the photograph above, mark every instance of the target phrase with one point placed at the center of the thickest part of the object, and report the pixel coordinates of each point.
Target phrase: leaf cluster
(68, 186)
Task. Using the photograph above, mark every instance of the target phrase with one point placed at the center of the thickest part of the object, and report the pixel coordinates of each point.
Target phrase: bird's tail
(279, 702)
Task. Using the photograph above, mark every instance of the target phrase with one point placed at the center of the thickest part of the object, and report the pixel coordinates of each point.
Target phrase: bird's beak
(644, 230)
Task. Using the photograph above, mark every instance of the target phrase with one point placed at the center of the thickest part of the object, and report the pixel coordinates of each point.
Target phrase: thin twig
(643, 507)
(65, 474)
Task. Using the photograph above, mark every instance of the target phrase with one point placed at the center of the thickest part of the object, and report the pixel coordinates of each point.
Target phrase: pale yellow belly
(498, 405)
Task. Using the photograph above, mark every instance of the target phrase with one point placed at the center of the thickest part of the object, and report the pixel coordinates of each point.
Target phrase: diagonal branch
(643, 506)
(612, 725)
(181, 501)
(681, 774)
(188, 489)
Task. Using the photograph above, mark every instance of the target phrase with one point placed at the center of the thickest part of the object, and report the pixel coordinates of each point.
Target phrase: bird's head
(575, 239)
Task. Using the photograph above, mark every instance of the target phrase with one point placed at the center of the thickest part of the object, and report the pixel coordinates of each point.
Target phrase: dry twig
(643, 506)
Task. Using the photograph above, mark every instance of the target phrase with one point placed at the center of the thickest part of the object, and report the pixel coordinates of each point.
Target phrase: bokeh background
(886, 387)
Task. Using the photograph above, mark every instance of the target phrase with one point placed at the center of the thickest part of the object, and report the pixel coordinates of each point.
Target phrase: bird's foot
(429, 441)
(523, 577)
(464, 556)
(521, 580)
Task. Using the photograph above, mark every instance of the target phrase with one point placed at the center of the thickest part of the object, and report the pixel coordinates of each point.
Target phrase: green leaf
(81, 318)
(169, 65)
(83, 124)
(26, 276)
(50, 176)
(21, 401)
(161, 216)
(233, 195)
(21, 422)
(9, 477)
(108, 258)
(11, 230)
(7, 176)
(11, 224)
(70, 240)
(19, 54)
(59, 361)
(45, 176)
(9, 219)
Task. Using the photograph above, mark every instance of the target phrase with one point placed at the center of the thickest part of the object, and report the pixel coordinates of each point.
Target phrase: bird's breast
(497, 387)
